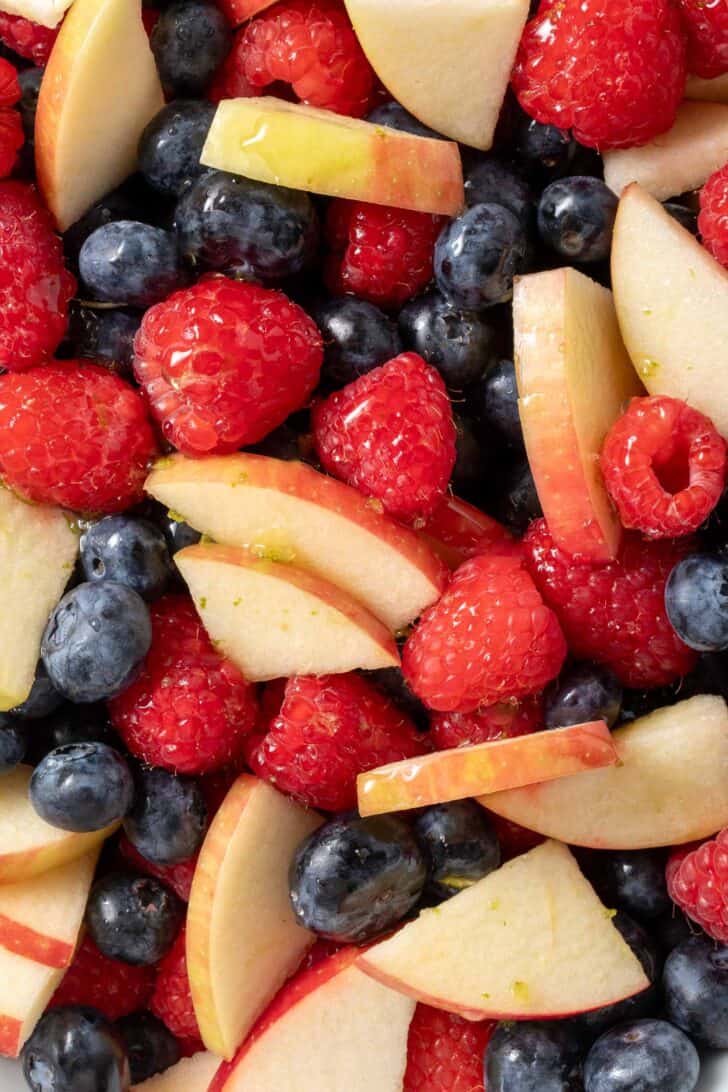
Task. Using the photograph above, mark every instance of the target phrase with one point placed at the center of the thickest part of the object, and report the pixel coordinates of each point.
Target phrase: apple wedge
(672, 303)
(239, 11)
(38, 549)
(275, 620)
(531, 940)
(288, 511)
(99, 91)
(26, 987)
(715, 90)
(670, 786)
(573, 375)
(457, 531)
(289, 144)
(239, 903)
(331, 1029)
(188, 1075)
(46, 12)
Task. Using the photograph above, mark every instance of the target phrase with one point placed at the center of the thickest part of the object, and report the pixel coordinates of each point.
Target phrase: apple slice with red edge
(715, 90)
(239, 11)
(457, 531)
(46, 12)
(188, 1075)
(26, 987)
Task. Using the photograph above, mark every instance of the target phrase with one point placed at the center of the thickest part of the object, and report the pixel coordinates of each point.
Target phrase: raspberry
(29, 40)
(445, 1052)
(189, 709)
(713, 216)
(504, 720)
(664, 465)
(615, 613)
(35, 287)
(12, 140)
(178, 877)
(706, 25)
(172, 1000)
(311, 45)
(112, 987)
(697, 880)
(326, 731)
(611, 70)
(9, 86)
(458, 531)
(224, 363)
(512, 838)
(74, 434)
(489, 638)
(390, 434)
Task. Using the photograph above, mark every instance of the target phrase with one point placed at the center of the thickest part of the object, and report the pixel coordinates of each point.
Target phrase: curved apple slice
(239, 11)
(188, 1075)
(457, 531)
(46, 12)
(715, 90)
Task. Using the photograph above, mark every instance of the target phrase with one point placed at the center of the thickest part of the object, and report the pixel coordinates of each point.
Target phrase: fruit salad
(364, 545)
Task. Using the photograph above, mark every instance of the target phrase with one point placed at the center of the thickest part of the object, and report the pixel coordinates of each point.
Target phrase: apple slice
(239, 11)
(672, 304)
(38, 549)
(46, 12)
(289, 144)
(447, 62)
(26, 987)
(239, 903)
(287, 511)
(331, 1029)
(574, 376)
(531, 940)
(188, 1075)
(99, 91)
(715, 90)
(275, 620)
(457, 531)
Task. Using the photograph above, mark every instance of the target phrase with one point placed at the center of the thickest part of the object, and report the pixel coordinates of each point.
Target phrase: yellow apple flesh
(26, 988)
(188, 1075)
(715, 90)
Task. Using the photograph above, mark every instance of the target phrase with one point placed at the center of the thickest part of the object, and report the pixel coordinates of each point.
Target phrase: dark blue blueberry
(671, 929)
(460, 344)
(13, 742)
(642, 1056)
(104, 334)
(130, 551)
(75, 1049)
(685, 217)
(460, 844)
(490, 180)
(533, 1057)
(150, 1046)
(477, 256)
(633, 880)
(696, 600)
(576, 218)
(71, 724)
(544, 148)
(249, 228)
(190, 41)
(95, 641)
(392, 682)
(133, 918)
(121, 204)
(290, 441)
(497, 403)
(695, 987)
(471, 458)
(583, 692)
(171, 145)
(179, 534)
(353, 879)
(131, 263)
(169, 818)
(394, 116)
(43, 698)
(29, 81)
(357, 337)
(516, 502)
(82, 787)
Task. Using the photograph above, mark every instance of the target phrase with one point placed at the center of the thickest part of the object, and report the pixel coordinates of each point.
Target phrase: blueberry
(685, 217)
(72, 724)
(696, 600)
(95, 641)
(129, 551)
(130, 263)
(43, 698)
(478, 255)
(583, 692)
(353, 879)
(460, 344)
(120, 204)
(75, 1049)
(29, 81)
(516, 504)
(150, 1046)
(394, 116)
(392, 682)
(133, 918)
(179, 534)
(104, 334)
(190, 41)
(490, 180)
(497, 402)
(169, 818)
(695, 986)
(533, 1057)
(642, 1056)
(471, 459)
(633, 880)
(460, 844)
(671, 929)
(357, 337)
(82, 787)
(248, 228)
(171, 145)
(544, 147)
(13, 742)
(576, 218)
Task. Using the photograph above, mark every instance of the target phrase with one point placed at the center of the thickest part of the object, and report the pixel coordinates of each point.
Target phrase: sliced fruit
(46, 12)
(287, 511)
(275, 620)
(189, 1075)
(672, 303)
(531, 940)
(238, 11)
(715, 90)
(99, 91)
(457, 531)
(289, 144)
(574, 376)
(38, 549)
(328, 1030)
(25, 990)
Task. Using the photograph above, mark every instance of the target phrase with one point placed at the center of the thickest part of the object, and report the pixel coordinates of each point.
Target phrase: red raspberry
(445, 1052)
(311, 45)
(489, 638)
(611, 70)
(390, 434)
(713, 217)
(458, 531)
(74, 434)
(326, 731)
(112, 987)
(615, 613)
(35, 286)
(697, 880)
(190, 709)
(512, 838)
(381, 254)
(9, 86)
(178, 877)
(172, 1000)
(504, 720)
(224, 363)
(12, 140)
(29, 40)
(706, 25)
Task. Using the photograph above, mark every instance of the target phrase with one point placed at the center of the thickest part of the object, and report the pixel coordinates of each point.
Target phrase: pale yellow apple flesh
(38, 549)
(287, 511)
(46, 12)
(276, 620)
(670, 786)
(26, 988)
(715, 90)
(531, 940)
(574, 376)
(289, 144)
(188, 1075)
(99, 91)
(672, 303)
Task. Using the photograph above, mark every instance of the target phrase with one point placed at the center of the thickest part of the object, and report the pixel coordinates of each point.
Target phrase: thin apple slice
(99, 91)
(288, 511)
(239, 11)
(531, 940)
(275, 620)
(188, 1075)
(289, 144)
(573, 375)
(46, 12)
(457, 531)
(715, 90)
(26, 987)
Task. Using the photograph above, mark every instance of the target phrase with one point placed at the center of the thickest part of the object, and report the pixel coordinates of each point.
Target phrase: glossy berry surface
(357, 337)
(171, 145)
(29, 81)
(492, 180)
(645, 1055)
(149, 1045)
(168, 819)
(109, 985)
(190, 40)
(533, 1057)
(43, 698)
(477, 256)
(695, 987)
(13, 743)
(697, 603)
(516, 502)
(460, 844)
(497, 403)
(697, 880)
(177, 877)
(504, 720)
(583, 692)
(394, 116)
(129, 551)
(105, 335)
(75, 1050)
(26, 38)
(445, 1052)
(706, 25)
(129, 263)
(82, 787)
(576, 217)
(71, 724)
(544, 148)
(460, 344)
(133, 918)
(713, 216)
(632, 880)
(171, 999)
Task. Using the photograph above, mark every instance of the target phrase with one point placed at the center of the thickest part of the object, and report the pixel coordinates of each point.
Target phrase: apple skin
(457, 531)
(26, 989)
(239, 11)
(715, 90)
